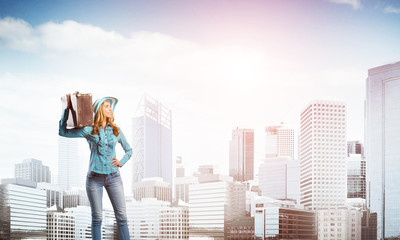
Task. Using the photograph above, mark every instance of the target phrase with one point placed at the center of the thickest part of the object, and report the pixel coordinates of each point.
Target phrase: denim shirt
(102, 145)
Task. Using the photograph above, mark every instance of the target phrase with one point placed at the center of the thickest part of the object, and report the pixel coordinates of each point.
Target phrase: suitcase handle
(72, 109)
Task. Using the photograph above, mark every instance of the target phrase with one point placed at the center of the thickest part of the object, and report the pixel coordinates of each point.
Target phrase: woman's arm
(71, 133)
(126, 147)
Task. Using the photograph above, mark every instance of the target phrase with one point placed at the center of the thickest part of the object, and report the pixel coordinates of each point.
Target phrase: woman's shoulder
(88, 129)
(120, 131)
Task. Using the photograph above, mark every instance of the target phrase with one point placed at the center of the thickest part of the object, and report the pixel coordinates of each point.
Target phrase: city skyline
(229, 65)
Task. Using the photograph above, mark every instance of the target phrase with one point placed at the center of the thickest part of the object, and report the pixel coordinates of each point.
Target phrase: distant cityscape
(313, 183)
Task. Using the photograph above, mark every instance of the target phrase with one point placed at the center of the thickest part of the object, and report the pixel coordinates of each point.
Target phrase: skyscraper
(279, 141)
(284, 221)
(279, 178)
(356, 170)
(53, 193)
(241, 155)
(323, 152)
(213, 204)
(152, 188)
(152, 141)
(182, 187)
(34, 170)
(70, 168)
(75, 197)
(382, 150)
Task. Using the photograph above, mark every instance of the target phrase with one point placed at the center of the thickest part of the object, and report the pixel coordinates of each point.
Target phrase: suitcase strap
(72, 110)
(74, 116)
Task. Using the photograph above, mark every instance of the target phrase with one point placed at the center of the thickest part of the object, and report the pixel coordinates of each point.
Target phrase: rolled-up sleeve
(126, 147)
(71, 133)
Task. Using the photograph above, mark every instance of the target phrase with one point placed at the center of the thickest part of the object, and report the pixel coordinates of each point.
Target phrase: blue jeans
(94, 189)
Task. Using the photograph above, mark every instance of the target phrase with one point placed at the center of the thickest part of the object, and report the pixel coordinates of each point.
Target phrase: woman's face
(107, 110)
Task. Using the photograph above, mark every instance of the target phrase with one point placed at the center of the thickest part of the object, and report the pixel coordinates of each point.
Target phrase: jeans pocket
(90, 174)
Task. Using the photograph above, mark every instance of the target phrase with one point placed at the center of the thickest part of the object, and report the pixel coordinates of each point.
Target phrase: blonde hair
(100, 118)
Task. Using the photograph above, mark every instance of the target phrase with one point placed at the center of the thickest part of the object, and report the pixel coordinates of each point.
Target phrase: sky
(217, 65)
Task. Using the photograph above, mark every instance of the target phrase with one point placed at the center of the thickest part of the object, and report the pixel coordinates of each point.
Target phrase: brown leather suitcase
(81, 112)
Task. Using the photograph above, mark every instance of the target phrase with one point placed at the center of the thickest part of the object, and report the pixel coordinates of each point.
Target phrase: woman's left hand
(115, 163)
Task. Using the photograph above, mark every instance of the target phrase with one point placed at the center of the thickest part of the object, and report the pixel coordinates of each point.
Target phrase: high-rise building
(279, 142)
(339, 223)
(81, 228)
(34, 170)
(53, 193)
(22, 210)
(382, 128)
(241, 228)
(83, 221)
(60, 225)
(323, 152)
(213, 204)
(152, 188)
(368, 220)
(144, 217)
(241, 155)
(182, 187)
(356, 176)
(283, 220)
(75, 197)
(252, 192)
(279, 178)
(174, 222)
(152, 141)
(368, 225)
(70, 173)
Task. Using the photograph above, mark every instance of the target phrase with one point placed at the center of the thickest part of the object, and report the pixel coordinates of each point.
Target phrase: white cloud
(356, 4)
(17, 34)
(390, 9)
(210, 89)
(185, 76)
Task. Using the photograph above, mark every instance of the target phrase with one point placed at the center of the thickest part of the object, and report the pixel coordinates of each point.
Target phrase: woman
(104, 166)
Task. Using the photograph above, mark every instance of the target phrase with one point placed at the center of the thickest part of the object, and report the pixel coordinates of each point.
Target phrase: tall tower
(34, 170)
(70, 168)
(152, 141)
(241, 155)
(279, 178)
(382, 149)
(279, 142)
(356, 170)
(323, 152)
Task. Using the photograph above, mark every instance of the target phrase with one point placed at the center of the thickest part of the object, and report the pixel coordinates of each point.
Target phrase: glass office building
(279, 178)
(382, 148)
(279, 142)
(278, 222)
(23, 210)
(34, 170)
(356, 174)
(213, 204)
(152, 141)
(241, 155)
